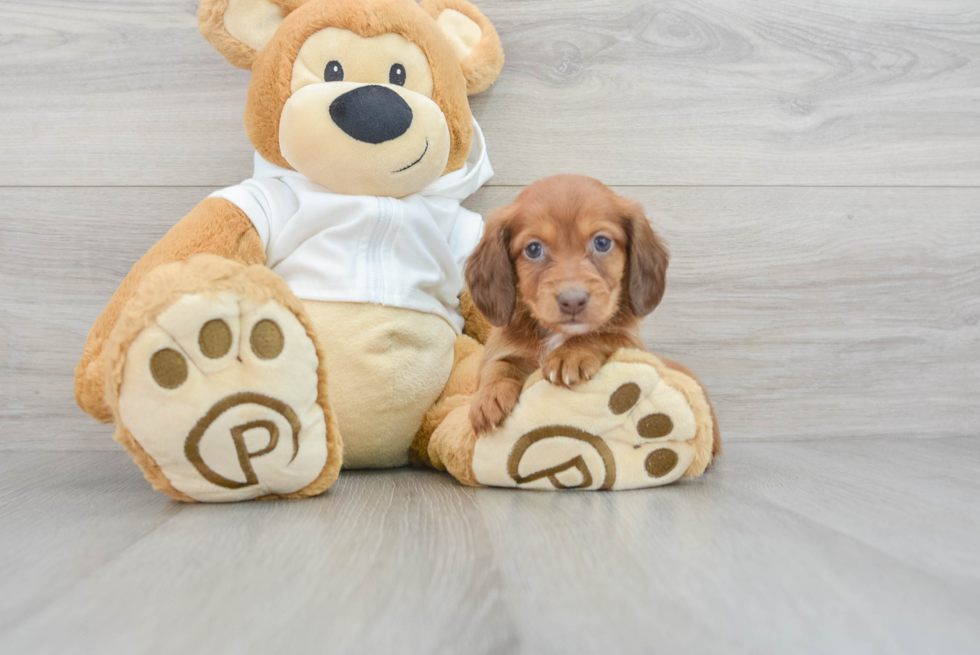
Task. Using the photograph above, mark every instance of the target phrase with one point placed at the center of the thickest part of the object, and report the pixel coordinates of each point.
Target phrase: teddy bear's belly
(385, 367)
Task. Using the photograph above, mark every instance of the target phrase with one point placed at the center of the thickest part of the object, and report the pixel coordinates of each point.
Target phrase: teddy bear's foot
(216, 386)
(638, 423)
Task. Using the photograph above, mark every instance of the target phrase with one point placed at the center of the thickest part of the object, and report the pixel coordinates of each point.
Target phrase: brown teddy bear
(343, 254)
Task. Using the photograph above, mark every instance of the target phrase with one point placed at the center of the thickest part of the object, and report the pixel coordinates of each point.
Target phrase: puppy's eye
(334, 72)
(397, 75)
(533, 250)
(602, 244)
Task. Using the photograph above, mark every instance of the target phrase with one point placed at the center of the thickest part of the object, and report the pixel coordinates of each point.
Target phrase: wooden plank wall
(815, 167)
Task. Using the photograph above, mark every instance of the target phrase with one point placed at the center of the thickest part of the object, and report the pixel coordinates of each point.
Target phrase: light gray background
(815, 168)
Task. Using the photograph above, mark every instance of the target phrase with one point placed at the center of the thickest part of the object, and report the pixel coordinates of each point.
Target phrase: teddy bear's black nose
(373, 114)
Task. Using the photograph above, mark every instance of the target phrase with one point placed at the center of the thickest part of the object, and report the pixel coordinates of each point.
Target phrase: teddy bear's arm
(215, 226)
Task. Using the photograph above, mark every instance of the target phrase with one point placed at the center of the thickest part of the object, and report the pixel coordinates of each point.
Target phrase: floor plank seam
(172, 512)
(883, 554)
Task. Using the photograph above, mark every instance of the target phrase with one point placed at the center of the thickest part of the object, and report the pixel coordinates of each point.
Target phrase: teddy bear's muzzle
(372, 114)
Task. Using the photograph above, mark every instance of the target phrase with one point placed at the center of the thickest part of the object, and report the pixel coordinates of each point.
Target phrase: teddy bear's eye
(397, 75)
(334, 72)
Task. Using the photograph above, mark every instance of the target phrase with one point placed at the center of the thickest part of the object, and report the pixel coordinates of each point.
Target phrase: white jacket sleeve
(268, 203)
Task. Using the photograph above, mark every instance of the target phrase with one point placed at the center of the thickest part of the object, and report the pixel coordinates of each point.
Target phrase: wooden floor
(815, 168)
(834, 546)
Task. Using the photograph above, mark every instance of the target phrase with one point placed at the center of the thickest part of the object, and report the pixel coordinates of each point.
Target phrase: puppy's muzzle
(372, 114)
(572, 301)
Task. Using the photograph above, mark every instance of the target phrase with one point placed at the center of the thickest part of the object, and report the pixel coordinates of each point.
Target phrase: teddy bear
(315, 316)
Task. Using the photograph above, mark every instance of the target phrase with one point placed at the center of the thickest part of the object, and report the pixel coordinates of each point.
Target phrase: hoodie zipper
(386, 210)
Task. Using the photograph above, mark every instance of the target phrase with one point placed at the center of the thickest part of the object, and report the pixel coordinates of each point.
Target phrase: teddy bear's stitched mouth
(417, 160)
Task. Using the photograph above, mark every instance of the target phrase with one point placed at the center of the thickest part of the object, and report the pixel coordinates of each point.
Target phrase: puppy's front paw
(568, 366)
(493, 403)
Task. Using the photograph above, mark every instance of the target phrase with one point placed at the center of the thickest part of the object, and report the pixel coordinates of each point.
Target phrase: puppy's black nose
(372, 114)
(572, 301)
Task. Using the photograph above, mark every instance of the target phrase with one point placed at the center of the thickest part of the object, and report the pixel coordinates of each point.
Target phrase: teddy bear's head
(361, 96)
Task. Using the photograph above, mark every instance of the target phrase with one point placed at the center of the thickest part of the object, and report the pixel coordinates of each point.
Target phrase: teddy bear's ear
(239, 29)
(473, 38)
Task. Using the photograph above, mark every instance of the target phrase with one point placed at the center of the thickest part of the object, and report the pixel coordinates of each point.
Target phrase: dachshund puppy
(564, 275)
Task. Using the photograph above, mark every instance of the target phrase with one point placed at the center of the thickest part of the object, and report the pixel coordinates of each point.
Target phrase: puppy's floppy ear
(240, 29)
(648, 259)
(474, 39)
(490, 273)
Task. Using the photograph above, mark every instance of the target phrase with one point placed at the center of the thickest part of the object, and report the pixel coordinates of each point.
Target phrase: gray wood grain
(65, 516)
(829, 299)
(362, 567)
(809, 313)
(780, 547)
(711, 566)
(912, 500)
(685, 92)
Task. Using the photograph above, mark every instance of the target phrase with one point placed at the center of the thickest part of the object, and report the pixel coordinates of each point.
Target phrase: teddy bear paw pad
(627, 428)
(221, 392)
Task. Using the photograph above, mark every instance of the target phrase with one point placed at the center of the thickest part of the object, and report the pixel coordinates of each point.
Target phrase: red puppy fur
(564, 275)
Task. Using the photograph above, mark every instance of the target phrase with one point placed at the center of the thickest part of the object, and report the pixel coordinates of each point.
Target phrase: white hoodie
(406, 252)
